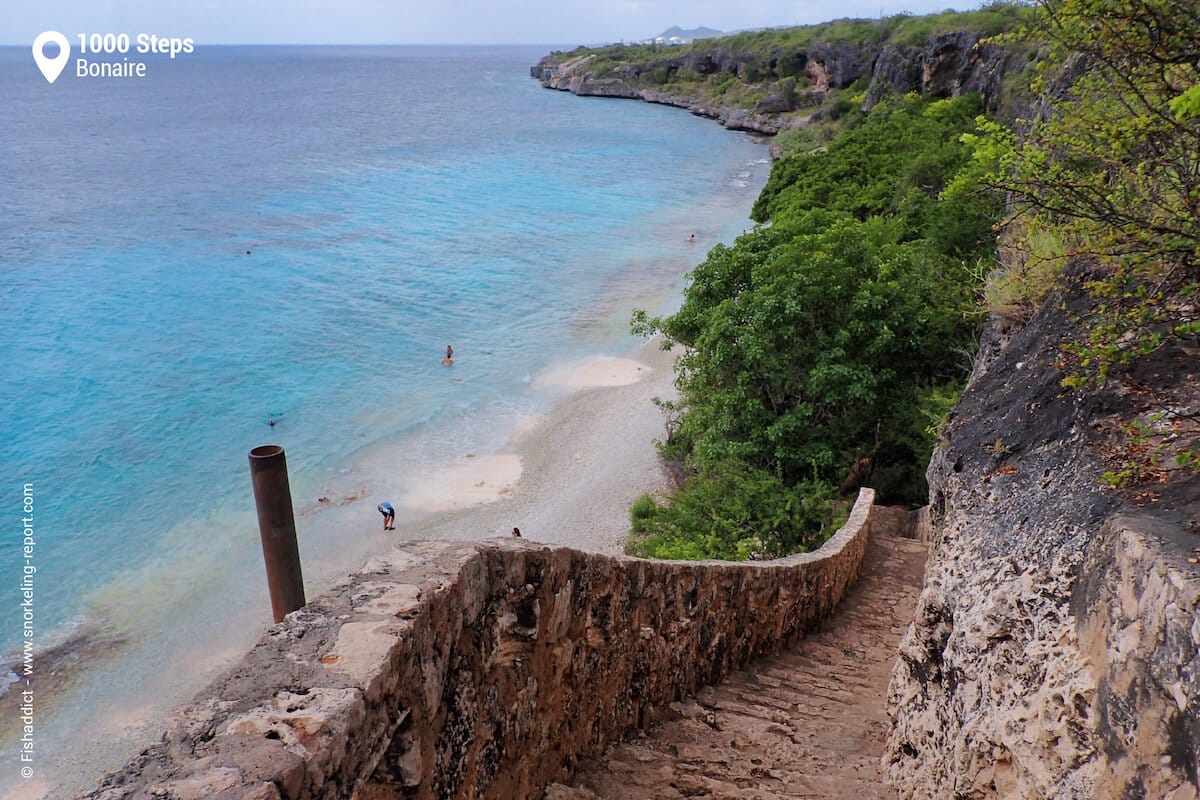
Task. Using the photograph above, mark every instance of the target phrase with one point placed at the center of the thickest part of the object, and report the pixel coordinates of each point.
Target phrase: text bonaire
(112, 44)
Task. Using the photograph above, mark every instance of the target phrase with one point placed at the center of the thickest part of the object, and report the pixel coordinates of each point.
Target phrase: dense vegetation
(821, 350)
(1109, 174)
(767, 60)
(899, 29)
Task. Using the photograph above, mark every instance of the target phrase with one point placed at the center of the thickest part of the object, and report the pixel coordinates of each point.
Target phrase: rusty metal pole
(277, 527)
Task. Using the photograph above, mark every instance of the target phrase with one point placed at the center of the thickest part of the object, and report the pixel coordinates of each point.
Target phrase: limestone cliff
(1053, 653)
(792, 86)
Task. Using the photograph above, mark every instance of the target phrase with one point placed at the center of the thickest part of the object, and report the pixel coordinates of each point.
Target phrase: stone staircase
(807, 723)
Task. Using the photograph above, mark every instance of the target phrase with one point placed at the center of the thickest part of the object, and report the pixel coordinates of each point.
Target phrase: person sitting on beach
(516, 533)
(389, 515)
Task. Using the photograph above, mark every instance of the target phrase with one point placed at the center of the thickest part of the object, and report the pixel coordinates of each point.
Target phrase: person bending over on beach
(389, 516)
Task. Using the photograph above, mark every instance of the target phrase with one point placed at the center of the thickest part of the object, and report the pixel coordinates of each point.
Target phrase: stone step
(807, 723)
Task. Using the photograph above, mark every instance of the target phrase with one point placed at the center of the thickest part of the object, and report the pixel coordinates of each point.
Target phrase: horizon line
(26, 45)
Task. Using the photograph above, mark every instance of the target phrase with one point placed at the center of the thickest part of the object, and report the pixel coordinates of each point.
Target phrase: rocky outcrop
(837, 65)
(781, 100)
(576, 75)
(950, 64)
(1053, 653)
(897, 71)
(957, 63)
(458, 670)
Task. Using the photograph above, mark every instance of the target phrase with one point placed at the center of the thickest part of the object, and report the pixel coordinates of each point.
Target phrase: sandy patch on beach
(594, 373)
(130, 719)
(35, 788)
(581, 465)
(477, 479)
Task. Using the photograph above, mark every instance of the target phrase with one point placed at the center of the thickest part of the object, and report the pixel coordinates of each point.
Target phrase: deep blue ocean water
(392, 200)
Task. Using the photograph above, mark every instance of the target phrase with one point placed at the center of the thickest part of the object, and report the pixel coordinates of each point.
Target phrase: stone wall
(480, 670)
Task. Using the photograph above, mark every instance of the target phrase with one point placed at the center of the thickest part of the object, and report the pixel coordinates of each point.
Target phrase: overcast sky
(428, 21)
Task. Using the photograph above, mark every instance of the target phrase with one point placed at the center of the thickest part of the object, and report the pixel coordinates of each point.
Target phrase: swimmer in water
(274, 419)
(449, 359)
(692, 238)
(516, 534)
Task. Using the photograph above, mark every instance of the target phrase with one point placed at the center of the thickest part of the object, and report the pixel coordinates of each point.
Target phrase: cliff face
(578, 76)
(1053, 653)
(950, 64)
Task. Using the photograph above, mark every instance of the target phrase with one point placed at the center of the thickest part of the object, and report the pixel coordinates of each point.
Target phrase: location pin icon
(51, 67)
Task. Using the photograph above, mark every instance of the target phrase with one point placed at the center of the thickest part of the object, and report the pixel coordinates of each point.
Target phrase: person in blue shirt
(389, 516)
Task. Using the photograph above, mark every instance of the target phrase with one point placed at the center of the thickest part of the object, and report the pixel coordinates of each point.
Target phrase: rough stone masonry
(458, 670)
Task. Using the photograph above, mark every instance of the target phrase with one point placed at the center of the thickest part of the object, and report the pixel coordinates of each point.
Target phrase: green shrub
(824, 348)
(840, 107)
(722, 83)
(1111, 168)
(735, 513)
(797, 140)
(1034, 262)
(642, 512)
(867, 168)
(791, 65)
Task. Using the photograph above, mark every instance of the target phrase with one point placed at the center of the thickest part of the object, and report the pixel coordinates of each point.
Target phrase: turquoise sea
(294, 233)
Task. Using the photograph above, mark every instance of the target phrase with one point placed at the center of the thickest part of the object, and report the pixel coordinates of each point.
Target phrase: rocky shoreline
(950, 64)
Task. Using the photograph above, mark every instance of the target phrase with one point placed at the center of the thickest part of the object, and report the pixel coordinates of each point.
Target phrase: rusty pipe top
(263, 456)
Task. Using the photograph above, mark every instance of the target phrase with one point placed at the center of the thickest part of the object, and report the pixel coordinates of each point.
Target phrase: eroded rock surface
(950, 64)
(1053, 653)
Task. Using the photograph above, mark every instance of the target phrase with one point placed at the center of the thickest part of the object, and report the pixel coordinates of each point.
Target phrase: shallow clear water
(392, 200)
